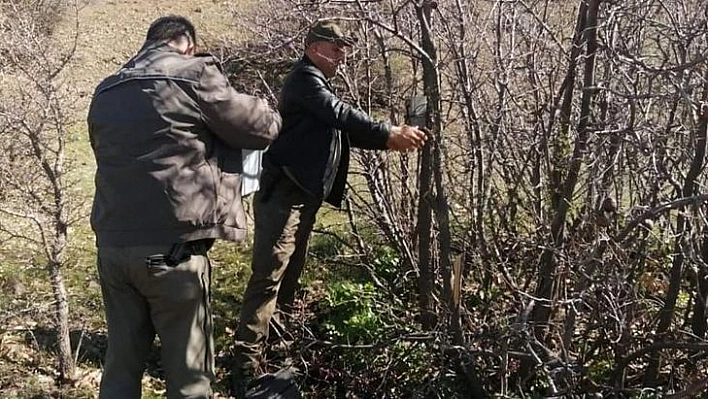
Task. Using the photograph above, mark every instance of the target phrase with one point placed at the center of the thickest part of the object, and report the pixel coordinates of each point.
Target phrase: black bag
(280, 385)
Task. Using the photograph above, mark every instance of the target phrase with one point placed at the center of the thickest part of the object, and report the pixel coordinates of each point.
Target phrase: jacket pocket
(229, 208)
(192, 194)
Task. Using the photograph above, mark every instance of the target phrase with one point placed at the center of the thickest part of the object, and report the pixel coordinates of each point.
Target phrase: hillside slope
(110, 31)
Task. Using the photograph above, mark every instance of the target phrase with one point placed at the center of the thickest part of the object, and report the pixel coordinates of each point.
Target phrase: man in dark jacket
(305, 165)
(167, 131)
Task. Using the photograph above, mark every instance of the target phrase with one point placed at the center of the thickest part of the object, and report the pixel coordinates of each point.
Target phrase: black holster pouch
(179, 253)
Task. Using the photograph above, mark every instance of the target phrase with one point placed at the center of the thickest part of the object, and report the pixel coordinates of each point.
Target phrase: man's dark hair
(170, 27)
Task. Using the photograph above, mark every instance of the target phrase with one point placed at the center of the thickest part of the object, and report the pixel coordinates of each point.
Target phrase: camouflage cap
(328, 31)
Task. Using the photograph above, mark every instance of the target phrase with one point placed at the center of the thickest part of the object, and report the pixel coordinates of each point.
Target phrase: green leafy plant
(354, 317)
(387, 264)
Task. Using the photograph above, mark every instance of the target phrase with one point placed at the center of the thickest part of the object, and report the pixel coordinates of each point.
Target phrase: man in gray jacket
(167, 132)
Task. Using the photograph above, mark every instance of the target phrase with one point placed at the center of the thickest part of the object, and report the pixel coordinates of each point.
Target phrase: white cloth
(252, 167)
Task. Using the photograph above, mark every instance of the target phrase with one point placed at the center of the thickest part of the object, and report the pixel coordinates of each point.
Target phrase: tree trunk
(431, 86)
(61, 310)
(547, 266)
(427, 275)
(566, 96)
(57, 252)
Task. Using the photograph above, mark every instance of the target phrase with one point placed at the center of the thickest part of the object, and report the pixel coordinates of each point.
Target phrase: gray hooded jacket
(167, 132)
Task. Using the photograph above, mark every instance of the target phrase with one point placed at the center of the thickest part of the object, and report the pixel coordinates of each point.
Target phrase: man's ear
(314, 47)
(186, 45)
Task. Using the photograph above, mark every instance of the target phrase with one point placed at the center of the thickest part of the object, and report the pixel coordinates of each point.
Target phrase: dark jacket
(167, 132)
(312, 114)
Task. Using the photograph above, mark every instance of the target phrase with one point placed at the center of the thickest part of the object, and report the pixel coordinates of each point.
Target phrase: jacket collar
(157, 46)
(306, 62)
(150, 48)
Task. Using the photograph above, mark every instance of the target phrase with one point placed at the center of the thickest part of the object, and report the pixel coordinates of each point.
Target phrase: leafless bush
(566, 169)
(35, 206)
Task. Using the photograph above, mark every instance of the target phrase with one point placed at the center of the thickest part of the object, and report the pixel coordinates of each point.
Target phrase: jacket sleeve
(313, 95)
(240, 120)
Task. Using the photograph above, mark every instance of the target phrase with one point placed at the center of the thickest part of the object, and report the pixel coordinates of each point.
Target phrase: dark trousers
(170, 301)
(284, 217)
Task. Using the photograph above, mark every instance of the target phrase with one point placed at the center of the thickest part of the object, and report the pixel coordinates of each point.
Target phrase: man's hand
(404, 138)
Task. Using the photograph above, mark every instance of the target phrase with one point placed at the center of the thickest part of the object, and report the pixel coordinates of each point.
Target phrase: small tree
(34, 116)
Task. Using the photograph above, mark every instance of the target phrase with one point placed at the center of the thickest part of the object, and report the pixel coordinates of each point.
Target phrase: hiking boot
(241, 381)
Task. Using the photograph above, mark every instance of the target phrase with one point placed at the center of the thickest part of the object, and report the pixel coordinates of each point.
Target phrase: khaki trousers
(172, 302)
(284, 217)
